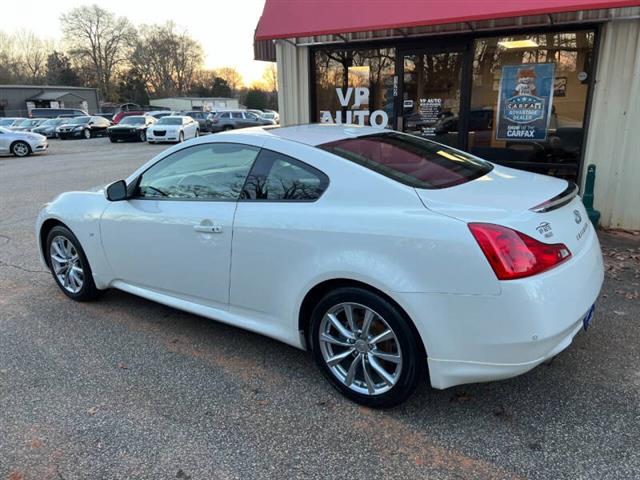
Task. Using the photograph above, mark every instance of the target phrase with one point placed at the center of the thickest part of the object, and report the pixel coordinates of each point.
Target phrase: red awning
(305, 18)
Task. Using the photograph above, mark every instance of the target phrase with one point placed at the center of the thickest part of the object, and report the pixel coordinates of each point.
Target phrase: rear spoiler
(559, 200)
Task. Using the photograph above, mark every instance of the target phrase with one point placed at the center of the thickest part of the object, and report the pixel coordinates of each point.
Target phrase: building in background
(549, 86)
(18, 100)
(195, 103)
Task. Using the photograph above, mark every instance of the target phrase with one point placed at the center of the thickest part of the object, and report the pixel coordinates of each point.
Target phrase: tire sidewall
(411, 357)
(88, 290)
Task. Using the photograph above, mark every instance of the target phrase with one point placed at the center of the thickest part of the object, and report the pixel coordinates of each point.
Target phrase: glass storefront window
(355, 86)
(538, 124)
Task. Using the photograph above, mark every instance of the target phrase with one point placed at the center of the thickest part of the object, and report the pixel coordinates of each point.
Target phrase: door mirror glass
(117, 191)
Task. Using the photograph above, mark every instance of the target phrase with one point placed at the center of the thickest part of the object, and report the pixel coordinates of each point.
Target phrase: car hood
(166, 127)
(28, 136)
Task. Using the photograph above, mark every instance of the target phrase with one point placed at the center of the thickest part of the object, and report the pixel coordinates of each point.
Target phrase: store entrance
(430, 95)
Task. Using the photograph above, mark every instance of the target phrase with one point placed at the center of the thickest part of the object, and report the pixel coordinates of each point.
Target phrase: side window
(224, 115)
(251, 116)
(236, 114)
(213, 171)
(279, 177)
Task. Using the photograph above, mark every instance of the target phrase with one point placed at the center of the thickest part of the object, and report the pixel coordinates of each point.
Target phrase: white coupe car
(21, 144)
(174, 128)
(386, 255)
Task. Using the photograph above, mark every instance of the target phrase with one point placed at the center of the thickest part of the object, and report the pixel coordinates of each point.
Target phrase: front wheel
(197, 134)
(113, 140)
(365, 346)
(20, 149)
(181, 137)
(86, 133)
(69, 265)
(143, 136)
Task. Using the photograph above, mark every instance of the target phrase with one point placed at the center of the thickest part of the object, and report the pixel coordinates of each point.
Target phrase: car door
(238, 120)
(275, 231)
(174, 234)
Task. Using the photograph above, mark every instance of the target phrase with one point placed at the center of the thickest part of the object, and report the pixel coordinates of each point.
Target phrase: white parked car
(9, 122)
(21, 144)
(384, 254)
(174, 128)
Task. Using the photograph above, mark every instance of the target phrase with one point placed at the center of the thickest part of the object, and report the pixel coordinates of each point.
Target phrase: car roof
(312, 134)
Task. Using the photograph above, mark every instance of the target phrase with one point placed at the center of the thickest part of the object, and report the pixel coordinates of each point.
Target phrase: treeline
(127, 63)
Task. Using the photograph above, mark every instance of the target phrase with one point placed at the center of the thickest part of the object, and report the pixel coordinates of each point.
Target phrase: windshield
(6, 122)
(133, 121)
(29, 123)
(410, 160)
(170, 121)
(79, 120)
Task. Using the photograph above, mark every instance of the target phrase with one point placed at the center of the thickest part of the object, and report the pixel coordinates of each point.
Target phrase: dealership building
(549, 86)
(19, 100)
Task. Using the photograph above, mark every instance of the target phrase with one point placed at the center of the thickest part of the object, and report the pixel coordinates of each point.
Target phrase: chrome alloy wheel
(21, 149)
(360, 348)
(66, 264)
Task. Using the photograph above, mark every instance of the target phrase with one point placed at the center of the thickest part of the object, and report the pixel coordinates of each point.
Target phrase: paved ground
(124, 388)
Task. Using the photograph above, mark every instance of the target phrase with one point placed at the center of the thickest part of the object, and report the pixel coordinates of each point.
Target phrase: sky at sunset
(224, 28)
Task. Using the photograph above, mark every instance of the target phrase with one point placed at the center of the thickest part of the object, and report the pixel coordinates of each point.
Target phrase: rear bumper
(478, 338)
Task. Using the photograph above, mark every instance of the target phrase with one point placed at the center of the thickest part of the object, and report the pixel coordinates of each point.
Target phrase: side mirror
(117, 191)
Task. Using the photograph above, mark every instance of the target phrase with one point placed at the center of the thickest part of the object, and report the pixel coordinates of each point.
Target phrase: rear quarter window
(410, 160)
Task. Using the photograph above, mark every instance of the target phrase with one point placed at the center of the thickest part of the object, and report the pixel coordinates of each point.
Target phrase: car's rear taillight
(513, 254)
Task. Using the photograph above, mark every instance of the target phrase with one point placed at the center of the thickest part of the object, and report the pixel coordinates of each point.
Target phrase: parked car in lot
(21, 144)
(28, 125)
(120, 115)
(49, 126)
(225, 120)
(203, 118)
(131, 128)
(9, 122)
(271, 115)
(173, 129)
(55, 112)
(83, 127)
(387, 255)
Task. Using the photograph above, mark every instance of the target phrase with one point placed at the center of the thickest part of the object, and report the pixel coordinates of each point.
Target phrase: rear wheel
(226, 128)
(20, 149)
(365, 347)
(69, 265)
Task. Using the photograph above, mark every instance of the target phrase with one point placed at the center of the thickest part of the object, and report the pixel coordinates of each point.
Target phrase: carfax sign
(524, 102)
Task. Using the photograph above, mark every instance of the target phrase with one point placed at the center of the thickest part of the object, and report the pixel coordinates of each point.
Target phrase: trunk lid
(508, 197)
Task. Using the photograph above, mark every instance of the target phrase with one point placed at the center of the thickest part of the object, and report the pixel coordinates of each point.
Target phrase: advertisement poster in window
(525, 101)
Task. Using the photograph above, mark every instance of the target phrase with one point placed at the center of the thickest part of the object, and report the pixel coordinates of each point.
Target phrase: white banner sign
(377, 118)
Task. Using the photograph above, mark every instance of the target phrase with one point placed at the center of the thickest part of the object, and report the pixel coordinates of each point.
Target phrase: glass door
(430, 95)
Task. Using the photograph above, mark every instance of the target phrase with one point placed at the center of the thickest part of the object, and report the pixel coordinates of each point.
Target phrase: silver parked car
(21, 144)
(28, 125)
(232, 119)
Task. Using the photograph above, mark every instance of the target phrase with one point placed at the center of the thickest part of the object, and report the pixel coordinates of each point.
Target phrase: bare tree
(98, 38)
(232, 77)
(270, 77)
(33, 54)
(168, 61)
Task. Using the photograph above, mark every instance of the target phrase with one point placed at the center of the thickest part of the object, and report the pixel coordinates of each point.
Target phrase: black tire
(88, 291)
(86, 133)
(197, 133)
(20, 149)
(143, 136)
(113, 140)
(181, 137)
(413, 363)
(226, 128)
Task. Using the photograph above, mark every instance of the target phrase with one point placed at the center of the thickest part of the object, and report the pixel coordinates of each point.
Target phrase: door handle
(208, 228)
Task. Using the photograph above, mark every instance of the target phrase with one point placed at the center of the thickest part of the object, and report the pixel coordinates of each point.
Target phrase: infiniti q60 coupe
(389, 257)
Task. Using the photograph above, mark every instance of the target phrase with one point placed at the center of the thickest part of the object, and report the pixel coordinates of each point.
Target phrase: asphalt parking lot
(125, 388)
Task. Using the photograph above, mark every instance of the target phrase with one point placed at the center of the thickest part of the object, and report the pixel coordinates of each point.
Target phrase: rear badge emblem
(578, 217)
(544, 229)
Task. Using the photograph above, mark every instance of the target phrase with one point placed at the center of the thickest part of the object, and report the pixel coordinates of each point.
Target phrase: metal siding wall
(293, 83)
(614, 131)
